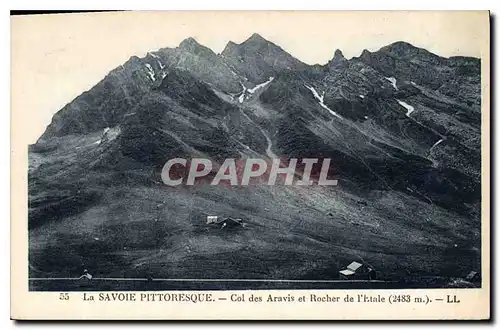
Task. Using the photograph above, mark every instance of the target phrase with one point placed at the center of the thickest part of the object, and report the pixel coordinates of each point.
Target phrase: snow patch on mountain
(408, 107)
(435, 144)
(259, 86)
(227, 66)
(241, 98)
(110, 134)
(321, 98)
(315, 93)
(150, 72)
(330, 110)
(393, 81)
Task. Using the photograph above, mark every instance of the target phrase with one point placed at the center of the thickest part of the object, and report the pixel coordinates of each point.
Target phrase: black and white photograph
(248, 155)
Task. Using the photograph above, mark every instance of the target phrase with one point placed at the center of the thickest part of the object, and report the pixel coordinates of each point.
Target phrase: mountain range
(402, 126)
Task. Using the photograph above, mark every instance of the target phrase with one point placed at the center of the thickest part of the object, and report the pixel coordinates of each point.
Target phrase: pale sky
(57, 57)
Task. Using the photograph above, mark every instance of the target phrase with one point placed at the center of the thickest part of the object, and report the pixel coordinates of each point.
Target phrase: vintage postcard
(251, 165)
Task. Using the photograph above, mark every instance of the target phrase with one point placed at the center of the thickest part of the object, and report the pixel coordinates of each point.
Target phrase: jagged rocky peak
(132, 61)
(338, 54)
(405, 49)
(259, 59)
(401, 48)
(229, 47)
(255, 37)
(337, 60)
(365, 53)
(254, 41)
(191, 45)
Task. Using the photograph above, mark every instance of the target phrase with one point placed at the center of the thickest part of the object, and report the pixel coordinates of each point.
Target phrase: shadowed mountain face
(401, 126)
